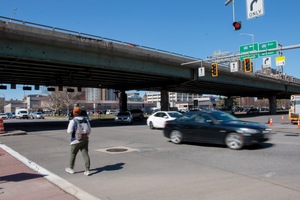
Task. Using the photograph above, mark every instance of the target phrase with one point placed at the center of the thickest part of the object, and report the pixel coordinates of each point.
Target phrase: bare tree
(62, 100)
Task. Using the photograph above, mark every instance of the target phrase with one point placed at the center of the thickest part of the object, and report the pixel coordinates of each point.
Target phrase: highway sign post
(267, 62)
(234, 67)
(280, 61)
(268, 46)
(201, 71)
(265, 46)
(249, 48)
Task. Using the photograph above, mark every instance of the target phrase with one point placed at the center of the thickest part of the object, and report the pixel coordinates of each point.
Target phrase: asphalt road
(154, 168)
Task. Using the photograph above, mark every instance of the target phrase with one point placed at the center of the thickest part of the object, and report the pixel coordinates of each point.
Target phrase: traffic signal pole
(233, 14)
(248, 53)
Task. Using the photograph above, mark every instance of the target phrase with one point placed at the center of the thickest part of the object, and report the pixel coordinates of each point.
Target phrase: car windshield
(222, 116)
(174, 114)
(123, 113)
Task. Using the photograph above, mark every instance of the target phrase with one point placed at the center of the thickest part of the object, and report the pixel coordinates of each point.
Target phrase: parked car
(11, 115)
(22, 113)
(264, 109)
(158, 119)
(36, 115)
(111, 112)
(137, 114)
(124, 117)
(3, 116)
(252, 110)
(216, 127)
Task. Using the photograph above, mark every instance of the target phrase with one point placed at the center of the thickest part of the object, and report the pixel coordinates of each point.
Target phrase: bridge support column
(164, 100)
(123, 101)
(229, 103)
(272, 105)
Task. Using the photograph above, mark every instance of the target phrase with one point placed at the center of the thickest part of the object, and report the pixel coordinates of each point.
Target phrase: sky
(194, 28)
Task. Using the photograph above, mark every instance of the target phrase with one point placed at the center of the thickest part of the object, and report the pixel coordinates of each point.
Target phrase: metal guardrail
(94, 37)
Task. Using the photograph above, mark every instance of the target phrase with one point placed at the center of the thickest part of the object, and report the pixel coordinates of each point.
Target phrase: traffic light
(214, 69)
(247, 65)
(237, 25)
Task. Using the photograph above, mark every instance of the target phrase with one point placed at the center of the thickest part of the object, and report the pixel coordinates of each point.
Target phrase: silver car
(3, 116)
(37, 115)
(124, 117)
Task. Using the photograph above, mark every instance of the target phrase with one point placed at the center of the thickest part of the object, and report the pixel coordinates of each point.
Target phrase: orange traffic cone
(1, 126)
(298, 123)
(282, 119)
(271, 122)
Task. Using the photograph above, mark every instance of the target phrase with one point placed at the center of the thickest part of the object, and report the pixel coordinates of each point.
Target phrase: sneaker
(87, 173)
(70, 171)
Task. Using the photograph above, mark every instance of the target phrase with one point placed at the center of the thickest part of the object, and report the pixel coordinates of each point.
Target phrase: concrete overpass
(32, 54)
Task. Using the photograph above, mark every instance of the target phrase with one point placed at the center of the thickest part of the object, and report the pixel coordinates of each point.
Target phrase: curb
(17, 132)
(51, 177)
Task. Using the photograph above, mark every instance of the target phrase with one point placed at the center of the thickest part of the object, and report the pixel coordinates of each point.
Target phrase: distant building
(11, 105)
(31, 102)
(100, 94)
(181, 101)
(134, 97)
(173, 96)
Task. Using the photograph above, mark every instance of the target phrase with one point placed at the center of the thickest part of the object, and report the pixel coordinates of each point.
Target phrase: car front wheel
(176, 137)
(234, 141)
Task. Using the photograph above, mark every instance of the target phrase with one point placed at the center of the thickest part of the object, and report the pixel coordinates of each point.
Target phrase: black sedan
(215, 127)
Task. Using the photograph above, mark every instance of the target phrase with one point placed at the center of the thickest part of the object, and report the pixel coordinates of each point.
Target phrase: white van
(21, 113)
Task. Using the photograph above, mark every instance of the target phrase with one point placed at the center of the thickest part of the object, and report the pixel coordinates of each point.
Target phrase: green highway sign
(247, 49)
(267, 46)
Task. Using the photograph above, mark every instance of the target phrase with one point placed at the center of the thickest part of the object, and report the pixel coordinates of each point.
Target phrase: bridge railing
(8, 19)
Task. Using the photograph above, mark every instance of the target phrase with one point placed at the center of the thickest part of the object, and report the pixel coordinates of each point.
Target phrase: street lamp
(252, 35)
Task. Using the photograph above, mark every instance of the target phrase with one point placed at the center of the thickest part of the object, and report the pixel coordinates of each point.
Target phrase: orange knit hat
(76, 111)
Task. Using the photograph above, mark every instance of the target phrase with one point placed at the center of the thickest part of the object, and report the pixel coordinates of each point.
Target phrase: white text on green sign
(267, 46)
(249, 48)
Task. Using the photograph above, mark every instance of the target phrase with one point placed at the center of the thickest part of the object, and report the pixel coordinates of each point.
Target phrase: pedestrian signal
(247, 65)
(214, 69)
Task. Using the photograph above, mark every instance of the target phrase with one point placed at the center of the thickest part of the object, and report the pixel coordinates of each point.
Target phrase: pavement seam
(51, 177)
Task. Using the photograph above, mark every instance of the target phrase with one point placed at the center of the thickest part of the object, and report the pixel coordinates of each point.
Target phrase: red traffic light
(237, 25)
(247, 65)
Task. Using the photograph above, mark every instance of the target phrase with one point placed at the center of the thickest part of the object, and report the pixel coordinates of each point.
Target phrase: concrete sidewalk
(19, 180)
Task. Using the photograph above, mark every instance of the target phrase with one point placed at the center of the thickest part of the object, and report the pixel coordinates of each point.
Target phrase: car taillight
(166, 123)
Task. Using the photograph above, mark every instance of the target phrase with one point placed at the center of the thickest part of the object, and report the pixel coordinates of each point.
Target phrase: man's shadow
(114, 167)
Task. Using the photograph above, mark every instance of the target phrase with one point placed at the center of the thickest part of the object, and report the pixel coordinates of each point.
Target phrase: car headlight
(247, 131)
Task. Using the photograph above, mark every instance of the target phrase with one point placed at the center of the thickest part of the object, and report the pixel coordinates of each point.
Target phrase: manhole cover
(117, 150)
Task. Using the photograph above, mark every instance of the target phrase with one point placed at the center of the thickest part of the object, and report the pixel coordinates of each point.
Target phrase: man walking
(79, 129)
